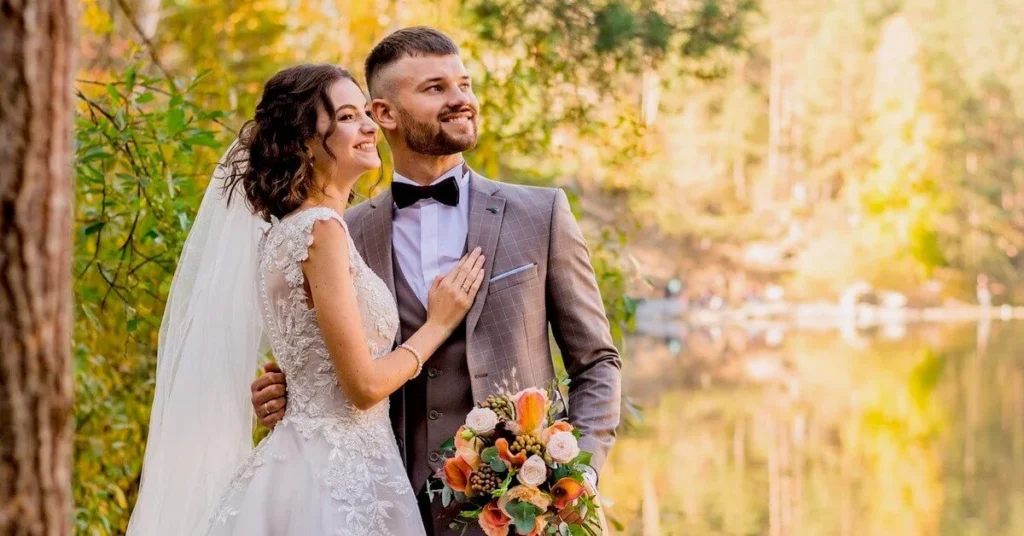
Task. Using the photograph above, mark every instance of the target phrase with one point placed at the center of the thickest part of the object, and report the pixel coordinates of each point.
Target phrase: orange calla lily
(560, 426)
(494, 521)
(456, 473)
(505, 454)
(531, 411)
(566, 491)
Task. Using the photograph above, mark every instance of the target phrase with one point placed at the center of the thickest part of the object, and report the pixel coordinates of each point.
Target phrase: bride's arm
(364, 380)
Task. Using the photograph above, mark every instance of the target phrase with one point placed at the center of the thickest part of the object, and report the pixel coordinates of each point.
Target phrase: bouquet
(514, 469)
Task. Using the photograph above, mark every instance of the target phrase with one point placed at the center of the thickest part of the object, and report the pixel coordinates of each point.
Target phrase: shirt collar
(462, 179)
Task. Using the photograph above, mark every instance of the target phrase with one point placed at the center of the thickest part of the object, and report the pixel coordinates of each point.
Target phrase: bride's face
(354, 140)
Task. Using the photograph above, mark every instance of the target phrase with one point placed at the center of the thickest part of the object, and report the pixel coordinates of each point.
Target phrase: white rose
(482, 420)
(562, 447)
(534, 472)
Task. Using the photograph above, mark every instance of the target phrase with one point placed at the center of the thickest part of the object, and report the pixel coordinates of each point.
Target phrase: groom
(537, 273)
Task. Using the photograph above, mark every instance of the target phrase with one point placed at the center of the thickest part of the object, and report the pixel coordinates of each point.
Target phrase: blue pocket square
(512, 272)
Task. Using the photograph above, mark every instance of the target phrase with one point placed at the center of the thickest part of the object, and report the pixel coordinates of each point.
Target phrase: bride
(269, 260)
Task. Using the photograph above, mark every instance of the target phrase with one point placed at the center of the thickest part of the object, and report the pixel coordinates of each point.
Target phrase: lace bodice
(348, 453)
(298, 345)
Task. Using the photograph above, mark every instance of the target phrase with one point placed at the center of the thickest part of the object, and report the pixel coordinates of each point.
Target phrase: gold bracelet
(419, 359)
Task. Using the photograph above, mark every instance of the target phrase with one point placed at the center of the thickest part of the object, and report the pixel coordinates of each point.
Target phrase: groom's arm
(581, 330)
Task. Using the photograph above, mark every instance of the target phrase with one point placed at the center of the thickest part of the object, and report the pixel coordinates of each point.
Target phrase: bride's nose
(367, 125)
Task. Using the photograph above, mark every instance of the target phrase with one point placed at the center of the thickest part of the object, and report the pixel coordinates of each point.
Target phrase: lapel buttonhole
(492, 210)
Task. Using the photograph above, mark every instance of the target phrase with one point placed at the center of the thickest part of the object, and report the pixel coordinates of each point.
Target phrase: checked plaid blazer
(537, 275)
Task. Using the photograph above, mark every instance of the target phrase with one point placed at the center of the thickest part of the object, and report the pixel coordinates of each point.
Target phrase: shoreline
(818, 314)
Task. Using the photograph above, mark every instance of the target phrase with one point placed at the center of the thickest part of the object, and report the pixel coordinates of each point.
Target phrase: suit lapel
(486, 212)
(377, 239)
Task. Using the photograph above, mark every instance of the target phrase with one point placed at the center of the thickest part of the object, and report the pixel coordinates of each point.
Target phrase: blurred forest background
(732, 144)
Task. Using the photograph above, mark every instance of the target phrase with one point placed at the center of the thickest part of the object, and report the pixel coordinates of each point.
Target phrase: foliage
(143, 150)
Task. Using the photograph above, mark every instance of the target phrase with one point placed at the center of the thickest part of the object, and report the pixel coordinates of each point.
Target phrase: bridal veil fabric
(211, 337)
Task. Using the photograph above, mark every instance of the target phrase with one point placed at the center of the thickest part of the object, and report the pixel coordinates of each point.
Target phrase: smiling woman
(310, 123)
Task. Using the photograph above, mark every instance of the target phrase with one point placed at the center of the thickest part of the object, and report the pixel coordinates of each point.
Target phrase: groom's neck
(424, 169)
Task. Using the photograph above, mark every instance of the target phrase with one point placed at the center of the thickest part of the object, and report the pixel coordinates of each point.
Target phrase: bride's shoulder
(297, 228)
(303, 220)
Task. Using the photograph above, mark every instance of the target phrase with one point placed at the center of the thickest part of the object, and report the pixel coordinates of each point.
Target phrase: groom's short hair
(414, 41)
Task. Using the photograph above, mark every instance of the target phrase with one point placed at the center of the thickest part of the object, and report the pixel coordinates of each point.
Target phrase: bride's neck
(331, 194)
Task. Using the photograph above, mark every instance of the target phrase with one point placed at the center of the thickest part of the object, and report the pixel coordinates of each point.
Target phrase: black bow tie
(445, 192)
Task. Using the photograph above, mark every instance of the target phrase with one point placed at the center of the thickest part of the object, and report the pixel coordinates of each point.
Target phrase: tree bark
(37, 53)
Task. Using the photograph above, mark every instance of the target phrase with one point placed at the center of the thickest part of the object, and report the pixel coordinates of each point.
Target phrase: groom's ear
(384, 114)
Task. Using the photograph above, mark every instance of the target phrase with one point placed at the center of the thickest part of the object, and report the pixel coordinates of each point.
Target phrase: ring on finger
(266, 412)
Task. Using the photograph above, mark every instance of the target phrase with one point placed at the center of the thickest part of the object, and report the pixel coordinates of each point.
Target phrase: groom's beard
(431, 139)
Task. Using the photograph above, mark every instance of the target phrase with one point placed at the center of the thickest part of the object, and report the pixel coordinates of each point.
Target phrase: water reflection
(766, 430)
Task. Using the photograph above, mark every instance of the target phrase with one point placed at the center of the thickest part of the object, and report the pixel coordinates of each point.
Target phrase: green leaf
(448, 445)
(471, 514)
(524, 515)
(503, 488)
(113, 93)
(93, 228)
(489, 454)
(446, 497)
(583, 459)
(145, 97)
(175, 120)
(576, 530)
(205, 139)
(129, 80)
(94, 153)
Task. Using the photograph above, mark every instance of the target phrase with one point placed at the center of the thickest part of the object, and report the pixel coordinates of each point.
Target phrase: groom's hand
(268, 395)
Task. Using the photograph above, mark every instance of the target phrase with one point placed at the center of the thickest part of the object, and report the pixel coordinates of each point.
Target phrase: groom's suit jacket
(537, 274)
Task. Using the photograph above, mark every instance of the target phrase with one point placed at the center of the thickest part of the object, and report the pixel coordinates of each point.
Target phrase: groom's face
(429, 103)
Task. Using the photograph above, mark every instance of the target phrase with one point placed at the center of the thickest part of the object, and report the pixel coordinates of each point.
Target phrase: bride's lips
(367, 145)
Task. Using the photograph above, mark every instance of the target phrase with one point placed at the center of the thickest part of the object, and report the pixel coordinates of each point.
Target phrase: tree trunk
(36, 51)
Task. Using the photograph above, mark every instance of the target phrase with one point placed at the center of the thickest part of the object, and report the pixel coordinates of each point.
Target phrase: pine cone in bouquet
(528, 443)
(500, 405)
(514, 446)
(484, 481)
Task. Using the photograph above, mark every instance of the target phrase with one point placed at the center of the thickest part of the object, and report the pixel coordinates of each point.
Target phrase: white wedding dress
(327, 468)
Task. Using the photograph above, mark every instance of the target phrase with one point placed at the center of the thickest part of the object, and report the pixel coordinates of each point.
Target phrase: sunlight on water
(897, 431)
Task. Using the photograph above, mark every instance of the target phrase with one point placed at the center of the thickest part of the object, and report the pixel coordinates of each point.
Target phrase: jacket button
(434, 414)
(433, 372)
(435, 457)
(401, 444)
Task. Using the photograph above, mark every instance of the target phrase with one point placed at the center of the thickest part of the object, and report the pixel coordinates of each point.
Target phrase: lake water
(915, 430)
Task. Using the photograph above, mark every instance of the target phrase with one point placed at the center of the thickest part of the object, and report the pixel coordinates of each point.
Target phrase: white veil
(200, 429)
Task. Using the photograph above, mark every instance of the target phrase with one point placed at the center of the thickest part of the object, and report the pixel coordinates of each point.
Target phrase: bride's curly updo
(270, 163)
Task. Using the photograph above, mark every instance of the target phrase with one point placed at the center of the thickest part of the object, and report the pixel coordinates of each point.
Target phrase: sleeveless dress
(327, 468)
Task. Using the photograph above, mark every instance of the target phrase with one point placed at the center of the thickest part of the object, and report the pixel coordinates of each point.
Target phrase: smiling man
(537, 272)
